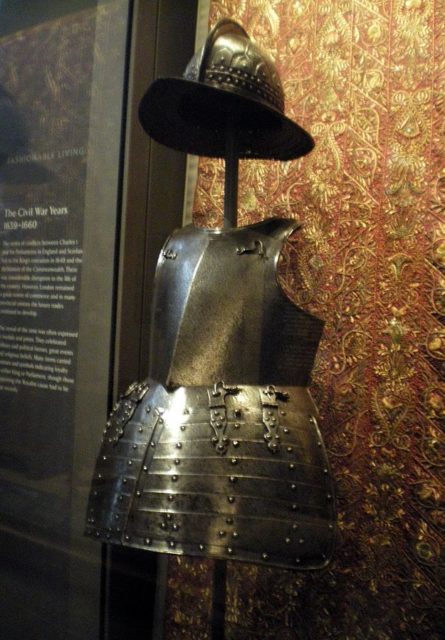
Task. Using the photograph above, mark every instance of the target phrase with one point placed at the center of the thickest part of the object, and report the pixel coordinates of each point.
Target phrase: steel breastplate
(234, 469)
(219, 314)
(230, 472)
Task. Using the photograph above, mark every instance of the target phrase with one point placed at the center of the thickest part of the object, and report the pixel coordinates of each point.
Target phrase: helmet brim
(194, 117)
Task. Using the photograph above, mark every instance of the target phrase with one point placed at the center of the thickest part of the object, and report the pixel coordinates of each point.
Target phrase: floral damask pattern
(367, 79)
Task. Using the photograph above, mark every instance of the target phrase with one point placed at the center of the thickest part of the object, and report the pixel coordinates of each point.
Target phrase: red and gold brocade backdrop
(367, 79)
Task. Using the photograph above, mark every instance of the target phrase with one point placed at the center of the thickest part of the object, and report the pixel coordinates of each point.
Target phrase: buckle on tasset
(218, 414)
(269, 398)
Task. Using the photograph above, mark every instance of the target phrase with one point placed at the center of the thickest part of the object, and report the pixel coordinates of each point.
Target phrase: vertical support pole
(231, 178)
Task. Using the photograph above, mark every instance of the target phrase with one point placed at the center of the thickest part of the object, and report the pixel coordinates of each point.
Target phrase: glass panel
(61, 94)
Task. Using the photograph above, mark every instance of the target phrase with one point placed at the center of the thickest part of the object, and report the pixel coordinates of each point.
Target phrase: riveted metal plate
(165, 486)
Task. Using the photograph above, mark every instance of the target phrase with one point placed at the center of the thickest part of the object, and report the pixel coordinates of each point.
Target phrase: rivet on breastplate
(179, 445)
(169, 254)
(147, 409)
(221, 533)
(127, 538)
(229, 520)
(286, 430)
(291, 466)
(104, 458)
(237, 413)
(331, 526)
(182, 427)
(174, 478)
(138, 494)
(235, 443)
(170, 497)
(172, 544)
(234, 461)
(295, 526)
(233, 479)
(325, 471)
(145, 468)
(177, 461)
(120, 498)
(293, 486)
(201, 547)
(229, 550)
(329, 496)
(124, 481)
(175, 527)
(186, 412)
(287, 540)
(301, 541)
(231, 499)
(134, 446)
(257, 246)
(297, 560)
(140, 430)
(294, 507)
(283, 413)
(129, 462)
(265, 556)
(235, 534)
(236, 425)
(147, 540)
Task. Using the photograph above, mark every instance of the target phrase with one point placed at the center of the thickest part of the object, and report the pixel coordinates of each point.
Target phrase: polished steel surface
(191, 464)
(230, 59)
(231, 81)
(227, 471)
(219, 313)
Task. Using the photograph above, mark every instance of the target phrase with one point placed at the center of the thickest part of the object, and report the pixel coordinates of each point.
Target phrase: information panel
(45, 81)
(61, 100)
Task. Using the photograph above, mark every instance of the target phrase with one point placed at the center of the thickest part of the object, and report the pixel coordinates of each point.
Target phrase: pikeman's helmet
(230, 81)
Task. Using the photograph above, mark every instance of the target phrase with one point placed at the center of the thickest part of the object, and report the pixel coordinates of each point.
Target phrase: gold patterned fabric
(367, 79)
